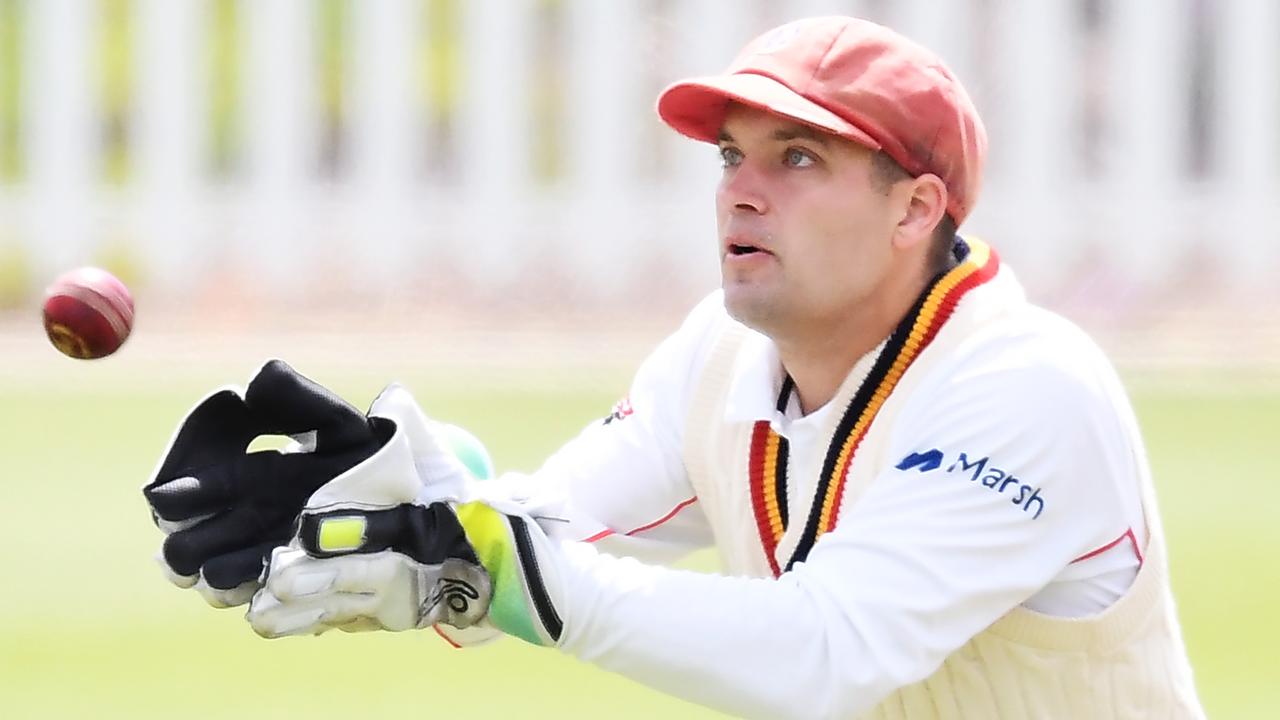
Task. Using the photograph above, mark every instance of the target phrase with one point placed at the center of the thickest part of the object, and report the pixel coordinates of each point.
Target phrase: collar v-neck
(861, 396)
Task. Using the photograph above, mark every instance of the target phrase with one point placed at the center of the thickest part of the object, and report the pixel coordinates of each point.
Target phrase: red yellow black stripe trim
(768, 480)
(908, 340)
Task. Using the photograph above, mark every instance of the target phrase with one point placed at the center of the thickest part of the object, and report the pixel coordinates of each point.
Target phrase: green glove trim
(521, 605)
(468, 448)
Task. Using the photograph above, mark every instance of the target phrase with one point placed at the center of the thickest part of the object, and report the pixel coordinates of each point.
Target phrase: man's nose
(743, 190)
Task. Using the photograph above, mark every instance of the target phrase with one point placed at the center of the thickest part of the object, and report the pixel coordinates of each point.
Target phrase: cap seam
(823, 58)
(817, 67)
(774, 78)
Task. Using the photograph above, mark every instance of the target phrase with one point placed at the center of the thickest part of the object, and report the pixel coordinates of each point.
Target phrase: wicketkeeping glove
(385, 547)
(224, 509)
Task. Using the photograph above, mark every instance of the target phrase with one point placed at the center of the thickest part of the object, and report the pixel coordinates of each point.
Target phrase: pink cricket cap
(854, 79)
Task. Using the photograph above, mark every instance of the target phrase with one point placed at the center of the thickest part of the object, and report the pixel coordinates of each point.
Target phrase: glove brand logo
(456, 594)
(979, 471)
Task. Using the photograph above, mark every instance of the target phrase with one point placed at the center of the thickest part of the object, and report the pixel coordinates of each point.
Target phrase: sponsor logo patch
(620, 410)
(980, 471)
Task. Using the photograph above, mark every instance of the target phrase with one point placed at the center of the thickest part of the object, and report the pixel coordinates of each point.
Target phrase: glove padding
(344, 571)
(382, 547)
(398, 569)
(224, 509)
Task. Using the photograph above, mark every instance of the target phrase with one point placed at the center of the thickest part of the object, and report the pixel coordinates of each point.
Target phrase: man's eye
(730, 156)
(796, 157)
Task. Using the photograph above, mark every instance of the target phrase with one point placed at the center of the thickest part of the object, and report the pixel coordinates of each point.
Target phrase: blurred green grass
(89, 628)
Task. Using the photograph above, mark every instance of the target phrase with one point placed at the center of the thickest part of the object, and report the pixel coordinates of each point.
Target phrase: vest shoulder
(1032, 348)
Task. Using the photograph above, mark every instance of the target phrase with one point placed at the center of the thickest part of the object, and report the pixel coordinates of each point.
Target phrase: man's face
(805, 229)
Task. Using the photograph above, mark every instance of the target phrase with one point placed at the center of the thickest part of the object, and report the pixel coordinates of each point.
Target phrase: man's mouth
(736, 249)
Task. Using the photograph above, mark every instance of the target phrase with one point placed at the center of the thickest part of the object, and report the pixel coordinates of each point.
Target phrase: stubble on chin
(752, 308)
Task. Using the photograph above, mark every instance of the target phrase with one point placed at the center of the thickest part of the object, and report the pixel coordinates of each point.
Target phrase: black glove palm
(225, 508)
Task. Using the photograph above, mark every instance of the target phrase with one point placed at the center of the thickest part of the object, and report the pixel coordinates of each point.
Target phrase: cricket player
(930, 497)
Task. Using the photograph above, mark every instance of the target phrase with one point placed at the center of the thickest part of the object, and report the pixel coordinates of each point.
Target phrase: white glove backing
(384, 546)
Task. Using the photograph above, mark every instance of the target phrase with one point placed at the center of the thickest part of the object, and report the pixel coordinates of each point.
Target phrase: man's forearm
(751, 647)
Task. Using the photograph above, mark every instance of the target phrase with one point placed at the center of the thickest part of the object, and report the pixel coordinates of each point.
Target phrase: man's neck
(819, 360)
(819, 371)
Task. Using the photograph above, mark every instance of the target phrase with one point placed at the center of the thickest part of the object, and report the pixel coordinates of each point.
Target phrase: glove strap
(451, 585)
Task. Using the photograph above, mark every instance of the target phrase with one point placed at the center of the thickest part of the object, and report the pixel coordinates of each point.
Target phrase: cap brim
(696, 107)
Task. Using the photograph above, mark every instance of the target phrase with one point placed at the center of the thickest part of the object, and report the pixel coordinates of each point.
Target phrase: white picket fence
(632, 208)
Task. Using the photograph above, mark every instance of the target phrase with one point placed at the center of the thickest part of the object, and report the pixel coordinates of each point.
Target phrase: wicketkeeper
(930, 496)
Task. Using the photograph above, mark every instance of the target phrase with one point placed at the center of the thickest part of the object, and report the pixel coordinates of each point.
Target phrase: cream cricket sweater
(1126, 662)
(1003, 471)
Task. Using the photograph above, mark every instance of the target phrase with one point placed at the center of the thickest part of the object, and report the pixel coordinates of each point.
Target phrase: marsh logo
(924, 462)
(979, 471)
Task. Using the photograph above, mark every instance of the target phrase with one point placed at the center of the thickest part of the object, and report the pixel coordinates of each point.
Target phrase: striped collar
(758, 373)
(769, 453)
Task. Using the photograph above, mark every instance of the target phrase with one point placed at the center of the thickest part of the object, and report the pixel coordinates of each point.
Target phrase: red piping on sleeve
(1133, 540)
(670, 514)
(666, 517)
(598, 536)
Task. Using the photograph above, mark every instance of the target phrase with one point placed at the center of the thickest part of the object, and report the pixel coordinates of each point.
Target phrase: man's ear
(925, 204)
